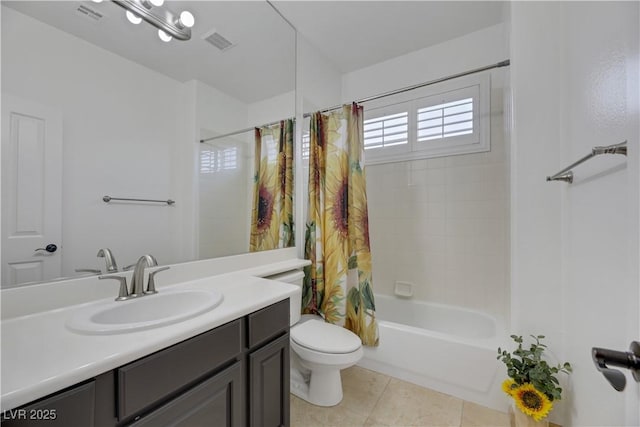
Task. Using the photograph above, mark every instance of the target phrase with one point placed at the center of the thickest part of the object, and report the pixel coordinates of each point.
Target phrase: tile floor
(374, 399)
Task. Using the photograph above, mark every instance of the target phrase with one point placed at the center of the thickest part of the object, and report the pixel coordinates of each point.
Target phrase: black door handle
(603, 358)
(51, 248)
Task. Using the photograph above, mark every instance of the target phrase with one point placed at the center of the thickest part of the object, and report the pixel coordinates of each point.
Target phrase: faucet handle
(123, 293)
(151, 286)
(88, 270)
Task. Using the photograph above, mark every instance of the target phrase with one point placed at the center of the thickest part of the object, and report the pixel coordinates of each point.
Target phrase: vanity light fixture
(164, 36)
(169, 24)
(134, 19)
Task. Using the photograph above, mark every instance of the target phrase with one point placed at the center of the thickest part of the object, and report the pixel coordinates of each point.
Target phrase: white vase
(518, 418)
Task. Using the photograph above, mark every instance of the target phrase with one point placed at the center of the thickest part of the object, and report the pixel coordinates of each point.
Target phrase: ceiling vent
(218, 40)
(91, 13)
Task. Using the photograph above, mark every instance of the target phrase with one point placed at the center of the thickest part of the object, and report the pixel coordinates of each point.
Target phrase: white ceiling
(351, 34)
(357, 34)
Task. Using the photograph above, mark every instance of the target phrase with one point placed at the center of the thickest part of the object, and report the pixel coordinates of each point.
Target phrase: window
(306, 143)
(445, 120)
(218, 159)
(438, 120)
(386, 131)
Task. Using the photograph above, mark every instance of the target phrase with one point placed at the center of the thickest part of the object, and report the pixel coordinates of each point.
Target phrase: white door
(31, 191)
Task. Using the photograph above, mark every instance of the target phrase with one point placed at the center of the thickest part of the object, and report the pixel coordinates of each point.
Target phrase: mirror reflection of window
(218, 159)
(224, 182)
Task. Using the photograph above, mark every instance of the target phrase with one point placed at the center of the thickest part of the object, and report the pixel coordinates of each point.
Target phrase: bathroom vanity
(234, 375)
(229, 366)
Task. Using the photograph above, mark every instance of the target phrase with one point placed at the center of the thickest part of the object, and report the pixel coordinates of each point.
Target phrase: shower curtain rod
(500, 64)
(504, 63)
(238, 132)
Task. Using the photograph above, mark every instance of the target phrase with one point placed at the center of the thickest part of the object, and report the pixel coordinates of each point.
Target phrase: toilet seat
(323, 337)
(320, 361)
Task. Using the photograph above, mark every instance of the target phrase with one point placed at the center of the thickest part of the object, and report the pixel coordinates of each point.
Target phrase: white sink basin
(150, 311)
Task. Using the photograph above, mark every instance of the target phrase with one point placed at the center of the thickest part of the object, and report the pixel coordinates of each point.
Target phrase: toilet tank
(295, 277)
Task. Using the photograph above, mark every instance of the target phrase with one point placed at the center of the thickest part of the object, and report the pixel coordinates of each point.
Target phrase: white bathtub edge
(494, 398)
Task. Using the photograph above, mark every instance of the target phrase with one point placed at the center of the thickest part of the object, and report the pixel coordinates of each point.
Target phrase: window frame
(476, 86)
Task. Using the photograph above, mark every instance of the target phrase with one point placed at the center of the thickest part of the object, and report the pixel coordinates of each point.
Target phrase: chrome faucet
(105, 253)
(137, 280)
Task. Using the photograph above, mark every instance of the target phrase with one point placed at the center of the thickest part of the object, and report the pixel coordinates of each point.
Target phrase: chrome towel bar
(566, 174)
(107, 199)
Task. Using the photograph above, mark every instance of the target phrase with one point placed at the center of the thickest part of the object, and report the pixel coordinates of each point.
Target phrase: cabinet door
(269, 384)
(217, 402)
(74, 407)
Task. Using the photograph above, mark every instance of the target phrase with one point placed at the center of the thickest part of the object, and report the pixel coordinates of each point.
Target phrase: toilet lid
(324, 337)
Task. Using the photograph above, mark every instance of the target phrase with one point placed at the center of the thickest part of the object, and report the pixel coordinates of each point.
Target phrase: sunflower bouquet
(532, 382)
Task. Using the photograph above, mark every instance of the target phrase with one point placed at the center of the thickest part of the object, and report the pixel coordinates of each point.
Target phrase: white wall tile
(442, 224)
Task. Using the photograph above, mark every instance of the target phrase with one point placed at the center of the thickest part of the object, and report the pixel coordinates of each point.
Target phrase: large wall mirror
(97, 106)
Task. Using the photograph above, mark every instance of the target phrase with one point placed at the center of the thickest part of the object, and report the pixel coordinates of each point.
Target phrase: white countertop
(41, 356)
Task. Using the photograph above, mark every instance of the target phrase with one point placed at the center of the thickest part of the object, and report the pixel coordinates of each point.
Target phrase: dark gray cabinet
(216, 402)
(269, 384)
(268, 366)
(76, 403)
(234, 375)
(158, 377)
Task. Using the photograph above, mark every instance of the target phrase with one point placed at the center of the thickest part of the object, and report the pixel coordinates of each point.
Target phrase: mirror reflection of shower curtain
(272, 211)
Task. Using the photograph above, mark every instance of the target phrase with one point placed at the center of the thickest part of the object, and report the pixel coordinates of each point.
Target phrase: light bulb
(164, 36)
(186, 19)
(157, 2)
(134, 19)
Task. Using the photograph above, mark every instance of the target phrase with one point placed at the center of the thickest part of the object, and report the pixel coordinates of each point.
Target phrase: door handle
(51, 248)
(603, 358)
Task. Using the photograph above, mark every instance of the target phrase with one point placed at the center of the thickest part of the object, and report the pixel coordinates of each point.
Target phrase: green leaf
(353, 262)
(354, 298)
(367, 296)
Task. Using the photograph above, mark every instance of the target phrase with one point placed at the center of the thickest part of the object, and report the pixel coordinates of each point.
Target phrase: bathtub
(445, 348)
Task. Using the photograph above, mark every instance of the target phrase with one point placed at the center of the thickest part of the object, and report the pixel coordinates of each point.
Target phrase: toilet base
(323, 388)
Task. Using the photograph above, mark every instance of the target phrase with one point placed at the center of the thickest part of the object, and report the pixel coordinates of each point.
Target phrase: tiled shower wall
(442, 224)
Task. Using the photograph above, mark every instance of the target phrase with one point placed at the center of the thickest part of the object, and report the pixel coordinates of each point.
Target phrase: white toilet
(319, 350)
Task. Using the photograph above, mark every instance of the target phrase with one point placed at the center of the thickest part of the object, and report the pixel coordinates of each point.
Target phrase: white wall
(477, 49)
(225, 201)
(574, 76)
(222, 196)
(319, 81)
(442, 224)
(272, 109)
(120, 121)
(318, 88)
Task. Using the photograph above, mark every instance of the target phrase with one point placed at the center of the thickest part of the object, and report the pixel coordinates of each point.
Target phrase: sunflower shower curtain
(338, 283)
(272, 212)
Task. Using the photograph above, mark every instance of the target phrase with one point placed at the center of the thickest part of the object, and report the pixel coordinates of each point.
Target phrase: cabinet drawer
(268, 323)
(157, 376)
(217, 401)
